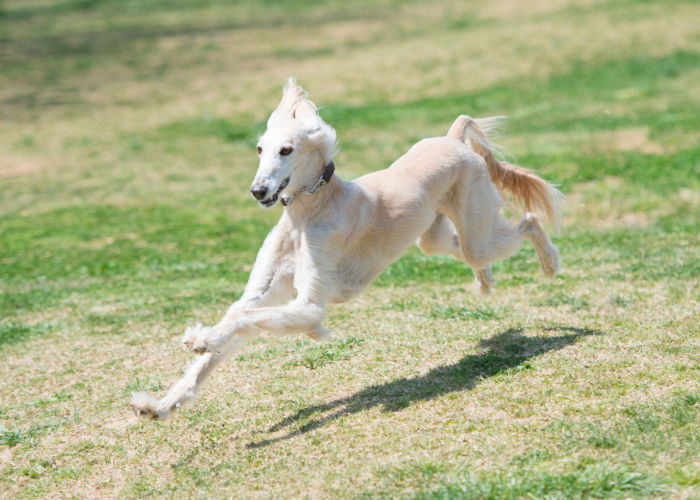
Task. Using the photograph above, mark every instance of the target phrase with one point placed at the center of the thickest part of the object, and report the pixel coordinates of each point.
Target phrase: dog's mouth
(273, 199)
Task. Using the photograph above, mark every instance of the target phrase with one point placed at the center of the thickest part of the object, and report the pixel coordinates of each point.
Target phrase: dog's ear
(305, 111)
(294, 104)
(323, 136)
(292, 89)
(291, 94)
(316, 134)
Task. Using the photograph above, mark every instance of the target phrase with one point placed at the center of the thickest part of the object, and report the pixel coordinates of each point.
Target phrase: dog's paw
(193, 338)
(484, 280)
(144, 405)
(196, 338)
(319, 334)
(190, 335)
(549, 263)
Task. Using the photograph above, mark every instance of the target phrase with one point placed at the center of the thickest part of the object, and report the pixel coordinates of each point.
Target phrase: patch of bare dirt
(634, 139)
(19, 166)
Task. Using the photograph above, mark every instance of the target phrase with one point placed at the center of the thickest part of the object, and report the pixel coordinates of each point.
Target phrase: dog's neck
(308, 207)
(325, 178)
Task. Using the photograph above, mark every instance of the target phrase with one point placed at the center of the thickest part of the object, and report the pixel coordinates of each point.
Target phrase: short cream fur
(444, 194)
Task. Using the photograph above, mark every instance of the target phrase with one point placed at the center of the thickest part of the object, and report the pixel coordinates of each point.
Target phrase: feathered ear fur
(296, 106)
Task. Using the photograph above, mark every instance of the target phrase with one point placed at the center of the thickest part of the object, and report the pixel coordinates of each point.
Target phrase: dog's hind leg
(483, 233)
(484, 280)
(442, 239)
(529, 190)
(487, 237)
(547, 253)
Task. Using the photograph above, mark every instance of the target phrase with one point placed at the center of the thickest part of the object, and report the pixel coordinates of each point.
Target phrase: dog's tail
(528, 190)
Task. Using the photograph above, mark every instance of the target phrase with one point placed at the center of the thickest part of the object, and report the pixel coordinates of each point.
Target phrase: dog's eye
(259, 148)
(286, 150)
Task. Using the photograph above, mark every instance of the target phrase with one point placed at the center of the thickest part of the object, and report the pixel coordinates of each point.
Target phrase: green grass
(587, 482)
(318, 356)
(462, 313)
(129, 131)
(13, 331)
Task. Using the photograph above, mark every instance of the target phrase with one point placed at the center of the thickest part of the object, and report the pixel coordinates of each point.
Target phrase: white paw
(190, 335)
(484, 280)
(196, 338)
(484, 287)
(551, 266)
(319, 334)
(144, 404)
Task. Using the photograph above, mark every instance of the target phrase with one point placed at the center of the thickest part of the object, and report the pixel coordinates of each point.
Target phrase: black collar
(328, 170)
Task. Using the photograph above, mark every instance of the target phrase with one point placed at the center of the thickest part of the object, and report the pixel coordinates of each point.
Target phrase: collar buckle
(328, 170)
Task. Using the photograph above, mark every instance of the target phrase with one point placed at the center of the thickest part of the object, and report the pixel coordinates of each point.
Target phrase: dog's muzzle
(260, 192)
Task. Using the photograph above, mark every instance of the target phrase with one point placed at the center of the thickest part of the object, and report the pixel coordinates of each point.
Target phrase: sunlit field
(128, 132)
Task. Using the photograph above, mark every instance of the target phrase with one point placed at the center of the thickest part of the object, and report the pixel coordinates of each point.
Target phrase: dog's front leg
(236, 327)
(304, 314)
(270, 283)
(275, 291)
(246, 323)
(183, 390)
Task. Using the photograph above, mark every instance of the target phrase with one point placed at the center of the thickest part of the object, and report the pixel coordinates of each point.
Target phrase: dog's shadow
(505, 350)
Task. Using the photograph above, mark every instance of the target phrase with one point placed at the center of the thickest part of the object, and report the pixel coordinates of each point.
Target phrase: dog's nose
(258, 192)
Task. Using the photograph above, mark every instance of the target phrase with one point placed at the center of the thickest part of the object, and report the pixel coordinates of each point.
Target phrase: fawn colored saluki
(334, 237)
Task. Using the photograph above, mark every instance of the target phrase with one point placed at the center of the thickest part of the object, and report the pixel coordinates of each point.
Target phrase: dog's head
(293, 149)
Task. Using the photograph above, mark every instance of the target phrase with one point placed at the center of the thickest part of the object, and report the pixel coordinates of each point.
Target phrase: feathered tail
(529, 190)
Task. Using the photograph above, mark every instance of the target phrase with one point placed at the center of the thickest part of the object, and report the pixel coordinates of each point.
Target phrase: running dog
(334, 237)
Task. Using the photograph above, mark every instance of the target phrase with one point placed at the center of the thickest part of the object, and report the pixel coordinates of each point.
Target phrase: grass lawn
(128, 130)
